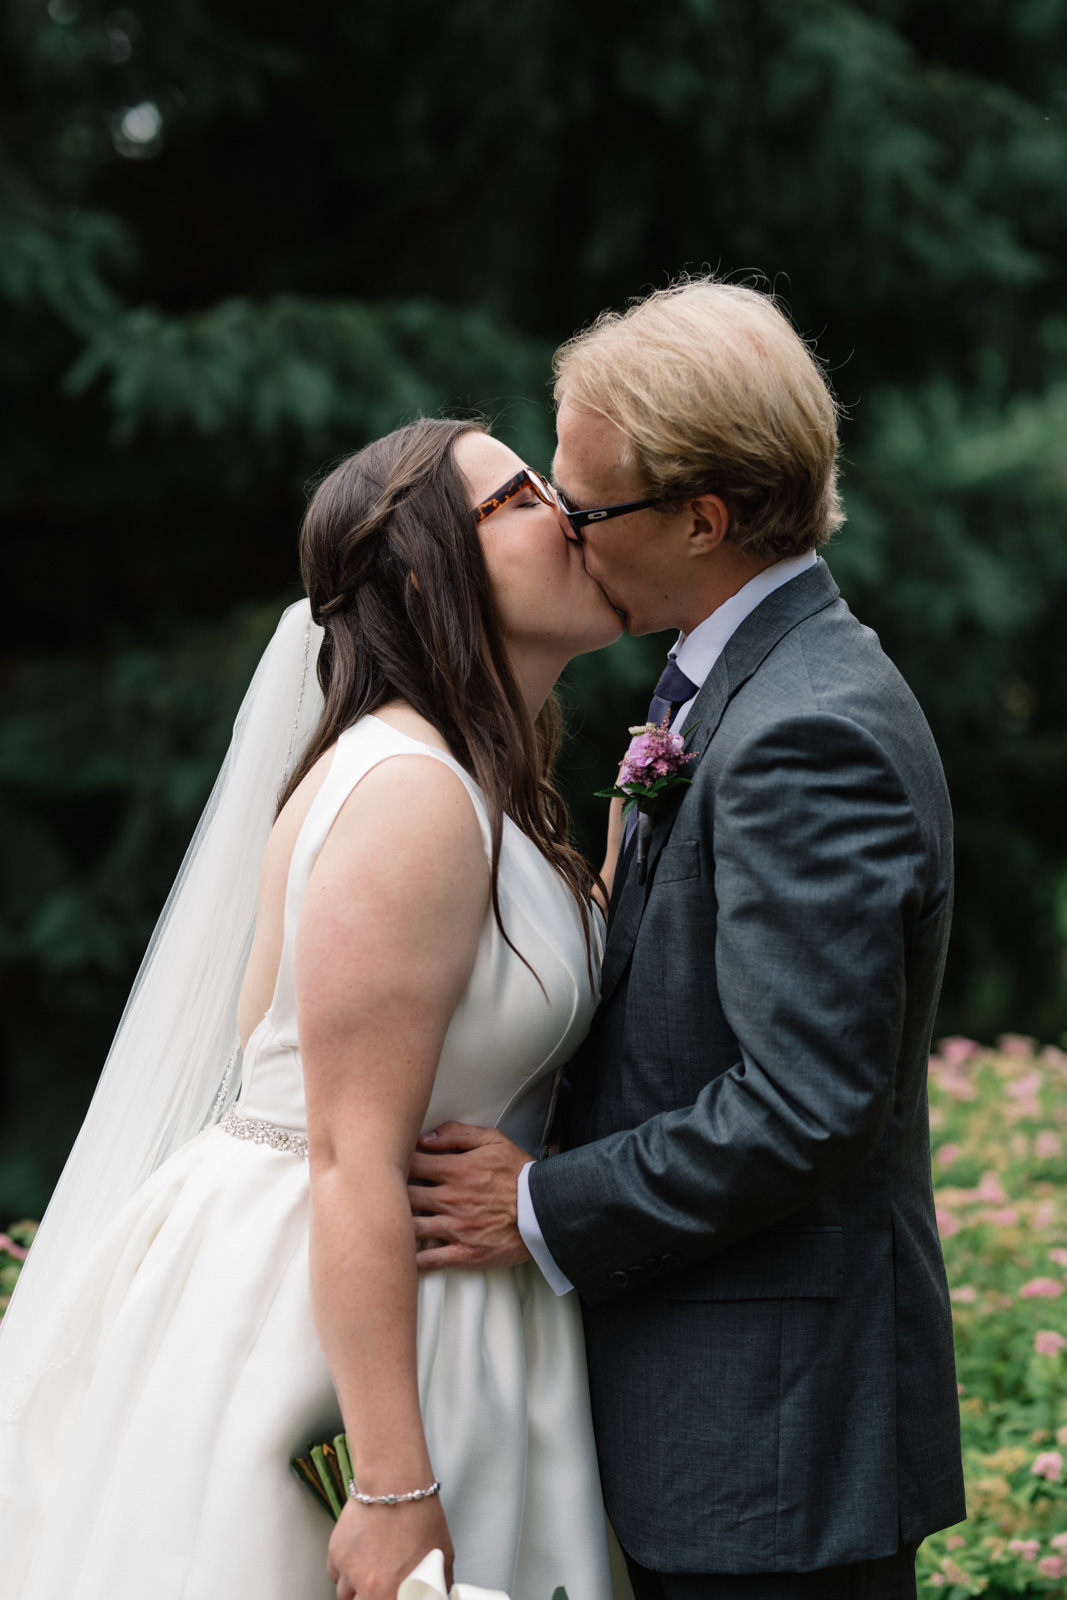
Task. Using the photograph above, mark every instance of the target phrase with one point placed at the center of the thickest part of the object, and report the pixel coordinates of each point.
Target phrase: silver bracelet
(391, 1499)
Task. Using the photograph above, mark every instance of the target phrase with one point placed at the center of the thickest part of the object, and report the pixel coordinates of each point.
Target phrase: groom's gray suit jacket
(744, 1198)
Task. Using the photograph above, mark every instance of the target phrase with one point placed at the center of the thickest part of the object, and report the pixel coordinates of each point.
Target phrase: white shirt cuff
(533, 1238)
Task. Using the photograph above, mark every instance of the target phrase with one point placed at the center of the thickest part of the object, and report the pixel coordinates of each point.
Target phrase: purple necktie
(672, 691)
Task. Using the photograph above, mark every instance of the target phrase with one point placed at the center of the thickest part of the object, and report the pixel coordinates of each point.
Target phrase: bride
(218, 1280)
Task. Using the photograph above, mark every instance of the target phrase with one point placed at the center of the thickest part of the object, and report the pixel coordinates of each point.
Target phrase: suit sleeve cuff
(533, 1239)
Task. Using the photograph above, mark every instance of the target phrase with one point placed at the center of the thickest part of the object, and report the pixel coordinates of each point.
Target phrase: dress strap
(365, 745)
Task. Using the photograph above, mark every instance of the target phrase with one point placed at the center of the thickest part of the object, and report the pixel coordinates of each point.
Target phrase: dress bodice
(509, 1032)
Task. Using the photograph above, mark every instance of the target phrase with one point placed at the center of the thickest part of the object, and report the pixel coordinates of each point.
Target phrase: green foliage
(999, 1128)
(104, 767)
(236, 243)
(956, 552)
(317, 372)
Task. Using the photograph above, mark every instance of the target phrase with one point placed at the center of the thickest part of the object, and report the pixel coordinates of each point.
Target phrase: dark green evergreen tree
(238, 241)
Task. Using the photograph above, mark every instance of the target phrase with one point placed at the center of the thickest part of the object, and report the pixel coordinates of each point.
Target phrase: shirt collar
(697, 652)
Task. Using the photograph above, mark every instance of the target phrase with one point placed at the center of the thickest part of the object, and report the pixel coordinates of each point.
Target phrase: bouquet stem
(344, 1461)
(325, 1458)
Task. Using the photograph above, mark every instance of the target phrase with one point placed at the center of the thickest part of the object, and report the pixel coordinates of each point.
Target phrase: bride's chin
(606, 632)
(614, 621)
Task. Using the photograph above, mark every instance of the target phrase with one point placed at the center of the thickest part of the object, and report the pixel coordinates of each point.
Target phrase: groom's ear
(711, 523)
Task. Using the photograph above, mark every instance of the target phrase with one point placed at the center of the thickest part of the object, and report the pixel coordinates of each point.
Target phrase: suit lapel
(744, 653)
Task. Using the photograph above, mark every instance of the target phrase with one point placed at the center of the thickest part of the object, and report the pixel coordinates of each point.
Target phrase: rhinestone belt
(264, 1133)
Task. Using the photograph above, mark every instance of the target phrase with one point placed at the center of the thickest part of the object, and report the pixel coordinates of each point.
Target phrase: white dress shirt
(695, 654)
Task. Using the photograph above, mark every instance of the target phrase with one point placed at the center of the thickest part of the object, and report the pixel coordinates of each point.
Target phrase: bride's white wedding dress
(153, 1464)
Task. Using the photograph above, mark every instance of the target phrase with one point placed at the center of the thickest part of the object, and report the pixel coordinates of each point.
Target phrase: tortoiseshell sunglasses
(526, 479)
(529, 479)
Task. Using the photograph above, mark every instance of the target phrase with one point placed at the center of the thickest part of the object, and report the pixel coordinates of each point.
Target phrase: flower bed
(998, 1128)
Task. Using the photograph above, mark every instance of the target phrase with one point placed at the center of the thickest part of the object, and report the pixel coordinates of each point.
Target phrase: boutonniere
(653, 765)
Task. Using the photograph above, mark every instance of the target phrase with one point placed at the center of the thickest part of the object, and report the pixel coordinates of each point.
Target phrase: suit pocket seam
(679, 862)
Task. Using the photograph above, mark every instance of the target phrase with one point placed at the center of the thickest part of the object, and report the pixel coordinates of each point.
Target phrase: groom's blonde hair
(716, 393)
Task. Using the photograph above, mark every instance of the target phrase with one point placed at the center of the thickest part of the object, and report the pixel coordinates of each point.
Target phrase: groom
(743, 1198)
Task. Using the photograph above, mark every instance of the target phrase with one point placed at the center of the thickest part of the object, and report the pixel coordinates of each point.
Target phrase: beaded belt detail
(264, 1133)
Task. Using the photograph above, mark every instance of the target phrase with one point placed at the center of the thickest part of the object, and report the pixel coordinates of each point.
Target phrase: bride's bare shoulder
(291, 818)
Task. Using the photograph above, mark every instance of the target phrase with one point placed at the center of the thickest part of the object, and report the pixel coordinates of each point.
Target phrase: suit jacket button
(619, 1279)
(671, 1259)
(635, 1274)
(652, 1264)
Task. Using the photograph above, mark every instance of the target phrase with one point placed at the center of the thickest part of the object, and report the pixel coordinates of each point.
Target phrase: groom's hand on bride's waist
(463, 1191)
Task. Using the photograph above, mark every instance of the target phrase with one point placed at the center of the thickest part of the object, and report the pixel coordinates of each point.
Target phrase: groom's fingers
(428, 1196)
(450, 1255)
(431, 1169)
(427, 1226)
(457, 1136)
(466, 1237)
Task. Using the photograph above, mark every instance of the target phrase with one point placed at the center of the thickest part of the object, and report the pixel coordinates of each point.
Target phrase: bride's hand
(374, 1548)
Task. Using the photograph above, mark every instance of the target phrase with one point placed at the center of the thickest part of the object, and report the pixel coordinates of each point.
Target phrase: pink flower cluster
(1048, 1343)
(1052, 1566)
(1041, 1289)
(12, 1248)
(955, 1050)
(1000, 1216)
(654, 752)
(1016, 1044)
(1023, 1092)
(1049, 1464)
(947, 1067)
(947, 1222)
(1027, 1548)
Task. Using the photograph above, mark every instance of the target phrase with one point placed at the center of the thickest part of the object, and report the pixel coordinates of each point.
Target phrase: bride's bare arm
(388, 935)
(613, 848)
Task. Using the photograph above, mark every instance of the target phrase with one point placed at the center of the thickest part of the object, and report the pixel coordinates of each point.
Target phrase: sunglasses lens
(542, 488)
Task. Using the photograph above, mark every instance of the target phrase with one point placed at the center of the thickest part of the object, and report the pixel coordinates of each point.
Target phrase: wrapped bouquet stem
(327, 1471)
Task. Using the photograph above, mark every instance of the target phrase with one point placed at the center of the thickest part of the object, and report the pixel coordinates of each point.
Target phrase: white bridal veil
(174, 1065)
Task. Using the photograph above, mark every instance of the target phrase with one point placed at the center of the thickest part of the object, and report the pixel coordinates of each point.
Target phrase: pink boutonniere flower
(654, 764)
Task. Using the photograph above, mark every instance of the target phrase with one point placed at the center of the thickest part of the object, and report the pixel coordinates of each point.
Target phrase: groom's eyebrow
(565, 494)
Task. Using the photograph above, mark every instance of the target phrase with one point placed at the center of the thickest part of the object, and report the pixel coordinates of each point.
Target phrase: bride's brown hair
(393, 567)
